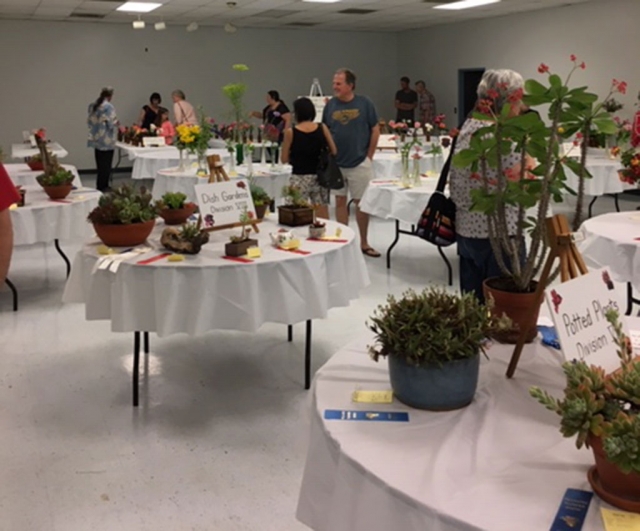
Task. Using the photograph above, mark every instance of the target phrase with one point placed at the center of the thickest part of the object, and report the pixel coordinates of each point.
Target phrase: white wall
(52, 70)
(603, 33)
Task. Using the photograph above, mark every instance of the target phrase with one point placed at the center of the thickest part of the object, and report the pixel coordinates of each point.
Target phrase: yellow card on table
(254, 252)
(620, 521)
(373, 397)
(104, 250)
(176, 258)
(14, 206)
(338, 232)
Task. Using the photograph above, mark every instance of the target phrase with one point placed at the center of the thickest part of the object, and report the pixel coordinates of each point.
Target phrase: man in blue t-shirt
(353, 123)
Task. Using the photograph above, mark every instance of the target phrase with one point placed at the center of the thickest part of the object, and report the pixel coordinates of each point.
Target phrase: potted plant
(124, 217)
(296, 211)
(174, 208)
(630, 172)
(35, 163)
(539, 177)
(56, 183)
(433, 341)
(601, 411)
(238, 245)
(261, 199)
(187, 239)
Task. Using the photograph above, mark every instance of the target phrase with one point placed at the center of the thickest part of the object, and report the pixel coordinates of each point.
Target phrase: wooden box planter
(295, 216)
(239, 248)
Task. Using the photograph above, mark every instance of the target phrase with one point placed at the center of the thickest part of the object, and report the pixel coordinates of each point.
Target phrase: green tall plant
(571, 111)
(235, 94)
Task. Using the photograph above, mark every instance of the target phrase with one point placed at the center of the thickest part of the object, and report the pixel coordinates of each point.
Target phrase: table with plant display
(270, 180)
(25, 150)
(45, 220)
(23, 175)
(214, 289)
(498, 464)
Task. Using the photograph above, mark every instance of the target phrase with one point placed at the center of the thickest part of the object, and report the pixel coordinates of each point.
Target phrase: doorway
(468, 80)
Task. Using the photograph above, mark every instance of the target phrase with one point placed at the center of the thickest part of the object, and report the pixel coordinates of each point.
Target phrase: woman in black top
(150, 114)
(276, 113)
(302, 146)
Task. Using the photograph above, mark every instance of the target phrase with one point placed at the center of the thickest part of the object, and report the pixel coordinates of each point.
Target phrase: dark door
(468, 79)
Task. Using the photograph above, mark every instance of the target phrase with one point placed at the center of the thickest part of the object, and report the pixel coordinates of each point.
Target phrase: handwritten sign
(223, 203)
(578, 309)
(154, 141)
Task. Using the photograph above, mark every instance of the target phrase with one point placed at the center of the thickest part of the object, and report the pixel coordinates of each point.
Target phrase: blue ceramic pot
(451, 386)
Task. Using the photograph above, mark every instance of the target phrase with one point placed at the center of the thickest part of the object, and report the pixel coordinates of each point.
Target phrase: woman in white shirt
(183, 111)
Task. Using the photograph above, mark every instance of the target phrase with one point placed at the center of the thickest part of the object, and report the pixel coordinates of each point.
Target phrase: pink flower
(583, 65)
(620, 86)
(417, 125)
(493, 94)
(416, 156)
(573, 58)
(543, 69)
(579, 136)
(516, 96)
(392, 123)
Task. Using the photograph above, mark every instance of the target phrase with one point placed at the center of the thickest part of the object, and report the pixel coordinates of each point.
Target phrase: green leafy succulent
(59, 177)
(598, 405)
(172, 201)
(124, 206)
(259, 195)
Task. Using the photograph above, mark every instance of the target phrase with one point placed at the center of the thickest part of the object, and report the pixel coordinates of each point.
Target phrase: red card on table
(153, 259)
(333, 240)
(238, 259)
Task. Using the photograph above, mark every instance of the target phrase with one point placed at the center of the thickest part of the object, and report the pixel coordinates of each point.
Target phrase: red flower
(573, 58)
(485, 106)
(620, 86)
(250, 215)
(475, 176)
(582, 65)
(493, 94)
(543, 69)
(579, 136)
(516, 96)
(454, 132)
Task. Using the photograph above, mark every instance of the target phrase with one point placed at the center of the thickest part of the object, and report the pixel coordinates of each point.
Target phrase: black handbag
(437, 221)
(329, 174)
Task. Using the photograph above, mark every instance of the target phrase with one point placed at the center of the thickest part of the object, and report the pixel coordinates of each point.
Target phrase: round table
(24, 150)
(171, 180)
(499, 464)
(22, 175)
(386, 199)
(613, 241)
(389, 165)
(148, 161)
(208, 292)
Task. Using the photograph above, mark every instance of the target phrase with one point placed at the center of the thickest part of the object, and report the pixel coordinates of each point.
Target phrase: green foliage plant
(571, 111)
(59, 177)
(597, 405)
(172, 201)
(432, 327)
(293, 197)
(259, 195)
(124, 206)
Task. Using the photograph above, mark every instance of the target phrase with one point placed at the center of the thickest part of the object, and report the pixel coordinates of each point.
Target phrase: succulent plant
(595, 404)
(293, 197)
(59, 177)
(432, 327)
(124, 206)
(172, 201)
(259, 195)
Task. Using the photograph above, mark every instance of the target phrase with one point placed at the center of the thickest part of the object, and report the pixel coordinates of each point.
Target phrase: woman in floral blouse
(103, 132)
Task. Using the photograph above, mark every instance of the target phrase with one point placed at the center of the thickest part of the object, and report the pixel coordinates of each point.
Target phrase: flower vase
(182, 164)
(263, 154)
(405, 179)
(203, 165)
(232, 165)
(415, 177)
(239, 153)
(249, 166)
(274, 156)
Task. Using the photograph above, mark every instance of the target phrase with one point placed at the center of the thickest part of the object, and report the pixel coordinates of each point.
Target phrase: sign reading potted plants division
(578, 309)
(221, 204)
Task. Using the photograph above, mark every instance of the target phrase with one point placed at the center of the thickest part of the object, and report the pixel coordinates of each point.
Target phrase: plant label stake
(561, 245)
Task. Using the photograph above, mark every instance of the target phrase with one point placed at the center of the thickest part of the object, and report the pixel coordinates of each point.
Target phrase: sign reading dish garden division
(223, 203)
(578, 309)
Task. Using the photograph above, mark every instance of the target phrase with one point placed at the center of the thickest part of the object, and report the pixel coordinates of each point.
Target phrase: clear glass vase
(263, 153)
(415, 172)
(182, 162)
(274, 157)
(405, 177)
(203, 165)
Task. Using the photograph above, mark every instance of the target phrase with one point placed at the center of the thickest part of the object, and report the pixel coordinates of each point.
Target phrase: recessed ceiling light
(466, 4)
(160, 26)
(138, 7)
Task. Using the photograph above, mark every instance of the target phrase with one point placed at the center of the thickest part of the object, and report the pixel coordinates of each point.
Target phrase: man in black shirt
(406, 102)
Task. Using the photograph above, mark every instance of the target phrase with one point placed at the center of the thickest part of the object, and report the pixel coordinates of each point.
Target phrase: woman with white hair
(477, 261)
(183, 111)
(103, 133)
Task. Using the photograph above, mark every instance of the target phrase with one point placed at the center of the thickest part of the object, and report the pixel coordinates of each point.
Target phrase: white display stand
(317, 98)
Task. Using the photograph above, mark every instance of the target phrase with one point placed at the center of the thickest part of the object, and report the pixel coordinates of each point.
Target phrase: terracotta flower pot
(35, 165)
(610, 483)
(178, 216)
(519, 307)
(124, 235)
(58, 192)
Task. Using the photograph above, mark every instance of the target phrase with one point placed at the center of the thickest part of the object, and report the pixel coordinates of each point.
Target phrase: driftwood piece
(50, 164)
(172, 240)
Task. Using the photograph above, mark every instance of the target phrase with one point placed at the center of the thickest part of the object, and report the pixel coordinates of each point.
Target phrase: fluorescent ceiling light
(138, 24)
(138, 7)
(466, 4)
(192, 27)
(160, 26)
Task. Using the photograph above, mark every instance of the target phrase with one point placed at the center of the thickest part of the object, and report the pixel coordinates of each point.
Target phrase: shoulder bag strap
(444, 174)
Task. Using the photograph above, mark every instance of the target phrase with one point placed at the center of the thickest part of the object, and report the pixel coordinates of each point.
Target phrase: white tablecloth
(613, 240)
(207, 292)
(604, 179)
(500, 464)
(390, 201)
(22, 175)
(170, 180)
(389, 165)
(147, 162)
(42, 220)
(21, 151)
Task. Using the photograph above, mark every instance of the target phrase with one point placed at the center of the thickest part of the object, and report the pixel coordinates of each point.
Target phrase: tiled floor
(219, 440)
